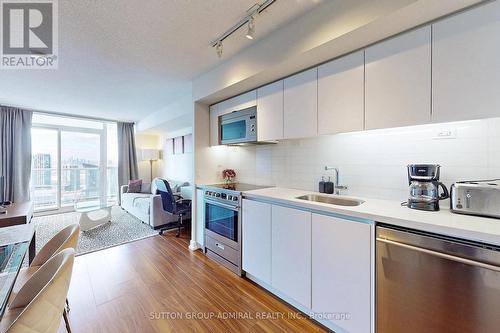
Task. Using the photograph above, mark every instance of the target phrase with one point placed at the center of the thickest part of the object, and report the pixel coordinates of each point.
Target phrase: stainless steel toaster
(476, 198)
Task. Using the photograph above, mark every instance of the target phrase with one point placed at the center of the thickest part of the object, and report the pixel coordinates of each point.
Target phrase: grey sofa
(147, 205)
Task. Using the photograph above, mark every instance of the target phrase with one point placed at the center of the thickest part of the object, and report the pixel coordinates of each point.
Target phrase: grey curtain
(127, 156)
(15, 152)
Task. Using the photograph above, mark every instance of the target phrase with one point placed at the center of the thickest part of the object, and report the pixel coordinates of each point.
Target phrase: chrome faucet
(337, 187)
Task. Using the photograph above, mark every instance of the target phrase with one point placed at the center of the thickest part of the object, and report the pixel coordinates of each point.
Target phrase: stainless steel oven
(238, 126)
(223, 228)
(222, 221)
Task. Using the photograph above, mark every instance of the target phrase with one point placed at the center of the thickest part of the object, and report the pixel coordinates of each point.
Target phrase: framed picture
(179, 145)
(169, 147)
(188, 143)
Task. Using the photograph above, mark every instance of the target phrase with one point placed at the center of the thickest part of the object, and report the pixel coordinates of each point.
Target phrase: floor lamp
(150, 155)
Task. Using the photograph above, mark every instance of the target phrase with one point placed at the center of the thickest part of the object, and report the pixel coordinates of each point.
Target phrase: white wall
(146, 141)
(173, 117)
(371, 163)
(175, 167)
(178, 166)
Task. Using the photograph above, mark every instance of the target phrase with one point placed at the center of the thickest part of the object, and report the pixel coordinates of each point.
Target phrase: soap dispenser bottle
(329, 187)
(322, 185)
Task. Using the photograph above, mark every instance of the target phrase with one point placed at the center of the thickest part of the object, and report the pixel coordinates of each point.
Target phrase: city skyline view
(82, 175)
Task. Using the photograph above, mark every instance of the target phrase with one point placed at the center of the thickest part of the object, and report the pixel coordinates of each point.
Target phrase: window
(73, 160)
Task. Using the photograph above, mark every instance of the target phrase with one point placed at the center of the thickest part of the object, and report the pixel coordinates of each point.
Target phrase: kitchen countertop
(480, 229)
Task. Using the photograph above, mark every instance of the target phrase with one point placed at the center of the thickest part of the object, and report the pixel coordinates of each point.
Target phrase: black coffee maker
(424, 187)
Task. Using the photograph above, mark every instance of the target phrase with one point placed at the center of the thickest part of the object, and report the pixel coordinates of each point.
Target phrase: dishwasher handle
(441, 255)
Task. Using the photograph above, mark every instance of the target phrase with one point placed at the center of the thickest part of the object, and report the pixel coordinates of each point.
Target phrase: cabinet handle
(220, 246)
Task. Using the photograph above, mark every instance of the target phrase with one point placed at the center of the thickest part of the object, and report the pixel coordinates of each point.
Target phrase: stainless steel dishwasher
(435, 284)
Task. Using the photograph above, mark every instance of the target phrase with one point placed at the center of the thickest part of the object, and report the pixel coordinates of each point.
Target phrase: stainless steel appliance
(476, 198)
(223, 223)
(434, 284)
(424, 187)
(238, 126)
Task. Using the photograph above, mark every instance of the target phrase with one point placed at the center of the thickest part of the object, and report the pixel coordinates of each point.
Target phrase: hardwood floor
(158, 285)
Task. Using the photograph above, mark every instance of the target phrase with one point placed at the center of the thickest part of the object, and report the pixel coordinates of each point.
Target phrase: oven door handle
(223, 205)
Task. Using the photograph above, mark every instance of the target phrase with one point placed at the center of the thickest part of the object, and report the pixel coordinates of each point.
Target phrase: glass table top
(89, 206)
(11, 257)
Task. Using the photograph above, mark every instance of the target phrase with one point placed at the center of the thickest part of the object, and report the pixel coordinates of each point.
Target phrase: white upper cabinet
(341, 94)
(239, 102)
(270, 112)
(398, 81)
(214, 125)
(256, 233)
(466, 65)
(291, 253)
(342, 271)
(301, 105)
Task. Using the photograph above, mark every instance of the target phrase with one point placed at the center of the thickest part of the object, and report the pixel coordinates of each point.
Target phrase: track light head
(219, 48)
(251, 28)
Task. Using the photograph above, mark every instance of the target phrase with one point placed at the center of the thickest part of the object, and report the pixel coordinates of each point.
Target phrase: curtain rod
(53, 113)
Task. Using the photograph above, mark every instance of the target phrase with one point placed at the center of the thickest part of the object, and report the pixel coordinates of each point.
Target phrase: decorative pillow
(134, 186)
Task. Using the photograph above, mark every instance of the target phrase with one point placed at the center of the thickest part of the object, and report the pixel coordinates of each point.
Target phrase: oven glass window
(222, 221)
(234, 130)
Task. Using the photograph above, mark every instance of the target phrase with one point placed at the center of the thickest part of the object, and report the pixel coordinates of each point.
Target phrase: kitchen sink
(331, 200)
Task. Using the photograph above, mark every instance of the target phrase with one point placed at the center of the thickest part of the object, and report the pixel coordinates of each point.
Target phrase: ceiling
(125, 59)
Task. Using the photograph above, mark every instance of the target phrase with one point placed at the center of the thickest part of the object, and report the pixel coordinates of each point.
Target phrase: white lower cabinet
(256, 234)
(321, 264)
(341, 272)
(291, 253)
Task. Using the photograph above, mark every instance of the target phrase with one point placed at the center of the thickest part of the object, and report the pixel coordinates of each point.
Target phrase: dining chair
(39, 304)
(66, 238)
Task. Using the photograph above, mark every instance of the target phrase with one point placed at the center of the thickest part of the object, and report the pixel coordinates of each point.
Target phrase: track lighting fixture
(249, 20)
(251, 28)
(219, 49)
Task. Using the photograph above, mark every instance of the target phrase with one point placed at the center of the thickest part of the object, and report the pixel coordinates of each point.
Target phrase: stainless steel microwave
(238, 126)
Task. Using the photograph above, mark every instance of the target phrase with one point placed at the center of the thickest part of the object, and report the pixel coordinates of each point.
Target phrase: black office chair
(172, 204)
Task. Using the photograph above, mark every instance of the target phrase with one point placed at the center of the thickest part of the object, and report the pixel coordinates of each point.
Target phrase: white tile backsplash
(372, 163)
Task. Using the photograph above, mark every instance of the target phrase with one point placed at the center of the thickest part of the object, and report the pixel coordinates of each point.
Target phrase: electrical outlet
(446, 134)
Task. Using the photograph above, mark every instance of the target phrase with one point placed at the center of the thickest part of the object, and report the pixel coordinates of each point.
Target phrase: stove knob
(229, 197)
(217, 195)
(223, 195)
(235, 198)
(208, 193)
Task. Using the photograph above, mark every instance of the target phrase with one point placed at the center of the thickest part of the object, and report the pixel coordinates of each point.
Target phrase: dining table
(14, 244)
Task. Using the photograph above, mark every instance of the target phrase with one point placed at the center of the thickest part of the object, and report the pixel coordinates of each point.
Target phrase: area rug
(123, 228)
